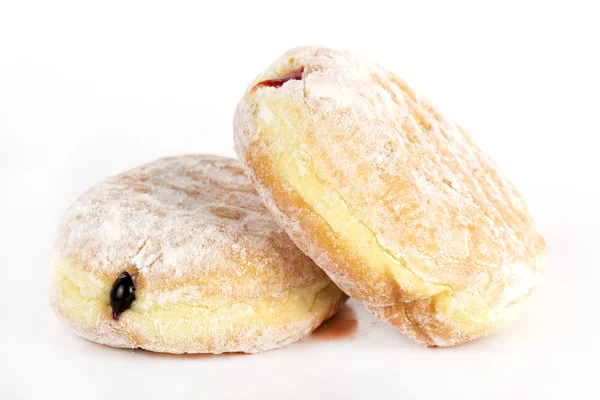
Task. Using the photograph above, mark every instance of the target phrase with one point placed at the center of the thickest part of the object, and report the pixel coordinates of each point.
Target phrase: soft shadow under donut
(342, 325)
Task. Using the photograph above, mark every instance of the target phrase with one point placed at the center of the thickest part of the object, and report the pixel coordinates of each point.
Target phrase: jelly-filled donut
(181, 256)
(393, 200)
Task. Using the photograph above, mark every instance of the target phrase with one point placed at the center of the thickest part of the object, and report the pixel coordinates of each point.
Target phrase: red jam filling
(277, 82)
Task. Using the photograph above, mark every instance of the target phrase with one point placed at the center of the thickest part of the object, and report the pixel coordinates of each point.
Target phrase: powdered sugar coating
(431, 199)
(205, 254)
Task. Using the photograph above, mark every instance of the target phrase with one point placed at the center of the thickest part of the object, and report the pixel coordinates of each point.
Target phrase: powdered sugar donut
(394, 201)
(180, 255)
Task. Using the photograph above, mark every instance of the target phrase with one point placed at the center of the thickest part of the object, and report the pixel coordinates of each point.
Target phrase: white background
(90, 88)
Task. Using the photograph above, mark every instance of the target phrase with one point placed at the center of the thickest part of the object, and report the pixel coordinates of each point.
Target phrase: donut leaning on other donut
(392, 199)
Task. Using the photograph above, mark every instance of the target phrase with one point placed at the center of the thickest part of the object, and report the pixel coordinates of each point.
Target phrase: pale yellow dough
(395, 202)
(214, 273)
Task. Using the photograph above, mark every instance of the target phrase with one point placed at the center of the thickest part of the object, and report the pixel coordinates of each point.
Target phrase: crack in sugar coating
(416, 181)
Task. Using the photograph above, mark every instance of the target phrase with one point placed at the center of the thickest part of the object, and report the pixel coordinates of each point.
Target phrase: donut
(181, 256)
(392, 199)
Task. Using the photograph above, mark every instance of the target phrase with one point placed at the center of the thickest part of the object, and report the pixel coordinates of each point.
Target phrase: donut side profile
(181, 256)
(393, 200)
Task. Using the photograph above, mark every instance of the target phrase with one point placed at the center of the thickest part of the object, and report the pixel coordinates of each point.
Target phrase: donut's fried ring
(395, 202)
(181, 256)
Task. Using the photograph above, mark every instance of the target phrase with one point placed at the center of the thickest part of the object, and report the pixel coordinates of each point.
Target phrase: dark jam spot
(122, 294)
(277, 82)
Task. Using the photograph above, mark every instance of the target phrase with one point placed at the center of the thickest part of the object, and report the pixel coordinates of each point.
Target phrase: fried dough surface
(393, 200)
(213, 271)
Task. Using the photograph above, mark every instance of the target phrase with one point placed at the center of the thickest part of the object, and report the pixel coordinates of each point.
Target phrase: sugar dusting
(413, 177)
(195, 234)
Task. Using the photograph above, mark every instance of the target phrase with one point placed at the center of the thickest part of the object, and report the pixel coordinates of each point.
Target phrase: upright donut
(181, 256)
(393, 200)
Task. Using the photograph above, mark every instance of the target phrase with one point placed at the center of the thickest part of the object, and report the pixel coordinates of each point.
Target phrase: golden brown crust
(213, 271)
(362, 171)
